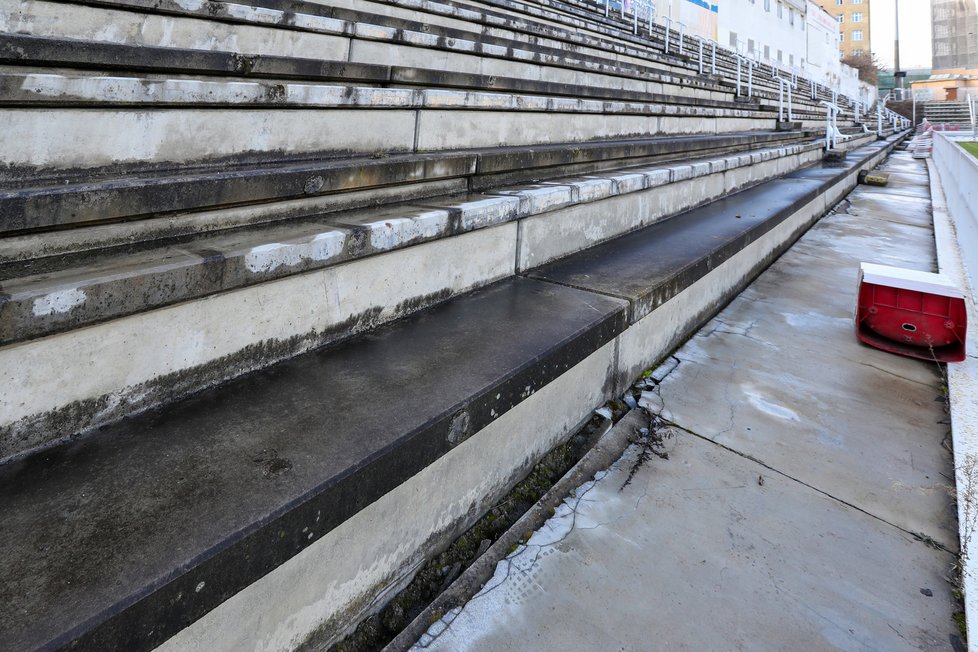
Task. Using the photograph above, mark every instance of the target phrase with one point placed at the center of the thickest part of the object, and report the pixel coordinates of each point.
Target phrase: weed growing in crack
(653, 444)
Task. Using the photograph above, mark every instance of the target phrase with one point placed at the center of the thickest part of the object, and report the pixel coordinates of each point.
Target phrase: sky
(914, 32)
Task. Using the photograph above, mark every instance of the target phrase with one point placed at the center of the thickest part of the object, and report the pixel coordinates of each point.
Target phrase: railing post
(700, 38)
(750, 78)
(713, 63)
(668, 20)
(780, 100)
(682, 33)
(831, 125)
(791, 116)
(738, 74)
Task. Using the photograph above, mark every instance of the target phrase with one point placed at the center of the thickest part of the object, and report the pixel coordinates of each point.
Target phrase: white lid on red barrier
(909, 279)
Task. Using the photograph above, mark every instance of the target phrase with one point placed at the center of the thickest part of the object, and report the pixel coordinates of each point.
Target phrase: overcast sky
(914, 32)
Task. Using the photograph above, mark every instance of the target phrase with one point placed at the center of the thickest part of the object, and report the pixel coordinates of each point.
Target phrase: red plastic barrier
(911, 313)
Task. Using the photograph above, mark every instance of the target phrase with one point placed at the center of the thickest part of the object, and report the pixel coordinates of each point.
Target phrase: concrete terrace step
(114, 283)
(299, 284)
(192, 505)
(287, 33)
(121, 539)
(620, 29)
(33, 51)
(141, 189)
(402, 27)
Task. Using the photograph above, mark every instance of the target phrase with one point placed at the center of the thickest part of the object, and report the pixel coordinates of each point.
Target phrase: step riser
(556, 234)
(380, 51)
(352, 579)
(47, 203)
(102, 393)
(34, 142)
(335, 580)
(57, 243)
(179, 350)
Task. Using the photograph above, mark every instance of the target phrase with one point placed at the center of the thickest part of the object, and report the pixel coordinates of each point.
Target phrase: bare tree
(867, 64)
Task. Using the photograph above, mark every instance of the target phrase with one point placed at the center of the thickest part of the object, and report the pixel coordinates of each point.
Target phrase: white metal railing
(831, 125)
(682, 32)
(742, 60)
(788, 79)
(713, 56)
(784, 85)
(971, 117)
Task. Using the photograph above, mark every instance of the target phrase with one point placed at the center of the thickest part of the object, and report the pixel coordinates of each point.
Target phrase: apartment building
(954, 28)
(853, 17)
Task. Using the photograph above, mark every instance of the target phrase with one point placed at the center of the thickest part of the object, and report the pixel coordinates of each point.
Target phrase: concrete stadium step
(279, 493)
(583, 16)
(646, 55)
(301, 283)
(33, 52)
(620, 28)
(399, 133)
(258, 30)
(140, 189)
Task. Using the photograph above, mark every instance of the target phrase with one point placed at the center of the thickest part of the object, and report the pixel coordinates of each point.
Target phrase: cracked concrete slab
(787, 383)
(805, 502)
(707, 550)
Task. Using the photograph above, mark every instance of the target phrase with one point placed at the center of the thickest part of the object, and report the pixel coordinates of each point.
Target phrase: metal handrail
(782, 85)
(647, 7)
(831, 125)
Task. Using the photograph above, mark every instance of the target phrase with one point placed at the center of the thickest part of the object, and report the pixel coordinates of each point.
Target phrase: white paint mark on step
(58, 302)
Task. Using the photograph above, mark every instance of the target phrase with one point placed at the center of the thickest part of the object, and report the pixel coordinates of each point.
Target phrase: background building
(954, 39)
(853, 18)
(768, 30)
(954, 32)
(823, 45)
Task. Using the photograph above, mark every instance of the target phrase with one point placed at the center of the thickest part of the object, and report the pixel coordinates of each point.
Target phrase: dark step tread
(652, 265)
(34, 51)
(116, 540)
(107, 538)
(125, 280)
(77, 198)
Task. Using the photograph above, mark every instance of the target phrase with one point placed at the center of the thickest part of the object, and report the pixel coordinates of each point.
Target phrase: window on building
(857, 52)
(791, 60)
(767, 5)
(780, 56)
(780, 10)
(857, 35)
(750, 46)
(791, 17)
(857, 17)
(733, 40)
(857, 2)
(838, 3)
(841, 18)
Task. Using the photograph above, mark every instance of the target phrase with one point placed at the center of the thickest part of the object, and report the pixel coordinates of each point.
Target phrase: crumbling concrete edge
(609, 447)
(962, 387)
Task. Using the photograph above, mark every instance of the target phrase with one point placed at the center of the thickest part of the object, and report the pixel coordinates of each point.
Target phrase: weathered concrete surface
(696, 555)
(789, 385)
(786, 520)
(953, 237)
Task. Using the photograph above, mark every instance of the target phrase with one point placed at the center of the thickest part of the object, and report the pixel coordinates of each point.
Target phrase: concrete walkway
(799, 497)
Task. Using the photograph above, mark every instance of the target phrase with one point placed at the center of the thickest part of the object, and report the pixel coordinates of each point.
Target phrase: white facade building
(822, 41)
(797, 35)
(767, 30)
